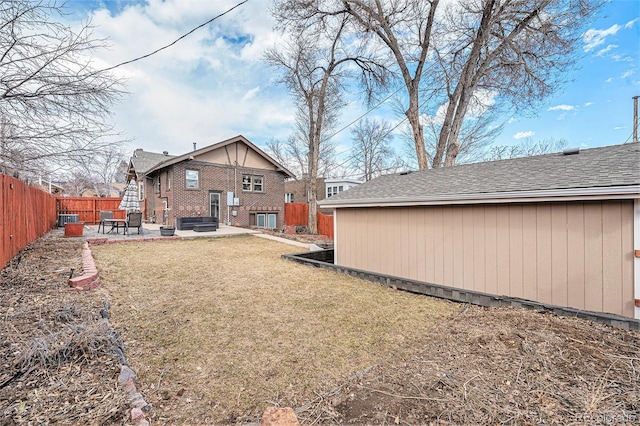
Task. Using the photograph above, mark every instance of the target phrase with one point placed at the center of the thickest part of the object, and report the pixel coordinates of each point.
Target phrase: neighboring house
(336, 186)
(116, 190)
(50, 187)
(297, 191)
(559, 229)
(232, 180)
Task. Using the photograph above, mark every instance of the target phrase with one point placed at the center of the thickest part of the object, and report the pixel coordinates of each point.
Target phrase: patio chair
(104, 215)
(134, 220)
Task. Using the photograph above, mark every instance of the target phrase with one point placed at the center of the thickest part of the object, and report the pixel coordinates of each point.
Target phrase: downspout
(235, 180)
(165, 212)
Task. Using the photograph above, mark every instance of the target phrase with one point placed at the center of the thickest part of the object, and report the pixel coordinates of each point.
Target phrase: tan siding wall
(574, 254)
(240, 152)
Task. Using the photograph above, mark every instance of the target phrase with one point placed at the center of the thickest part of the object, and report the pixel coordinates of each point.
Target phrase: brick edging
(101, 241)
(89, 281)
(89, 278)
(463, 295)
(126, 379)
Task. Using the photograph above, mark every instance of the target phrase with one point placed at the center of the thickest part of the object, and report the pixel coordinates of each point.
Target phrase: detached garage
(560, 229)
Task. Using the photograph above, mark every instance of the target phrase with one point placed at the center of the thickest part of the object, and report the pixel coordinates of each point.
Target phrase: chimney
(165, 152)
(194, 146)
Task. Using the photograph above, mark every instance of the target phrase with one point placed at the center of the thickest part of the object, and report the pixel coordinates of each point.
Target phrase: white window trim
(186, 179)
(252, 183)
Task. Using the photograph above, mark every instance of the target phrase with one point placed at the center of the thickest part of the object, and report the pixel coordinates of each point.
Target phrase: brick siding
(185, 202)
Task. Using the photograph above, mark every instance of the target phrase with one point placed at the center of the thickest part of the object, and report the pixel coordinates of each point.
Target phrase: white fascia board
(573, 194)
(636, 259)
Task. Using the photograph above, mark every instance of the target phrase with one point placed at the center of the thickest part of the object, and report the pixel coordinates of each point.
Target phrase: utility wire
(365, 114)
(176, 40)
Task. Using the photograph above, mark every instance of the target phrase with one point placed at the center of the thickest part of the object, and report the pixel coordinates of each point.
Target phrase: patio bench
(188, 223)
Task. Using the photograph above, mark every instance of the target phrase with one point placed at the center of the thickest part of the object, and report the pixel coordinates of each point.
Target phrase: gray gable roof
(189, 155)
(143, 161)
(606, 167)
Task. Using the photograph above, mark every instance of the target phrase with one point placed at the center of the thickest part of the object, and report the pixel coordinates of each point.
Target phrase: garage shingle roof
(611, 166)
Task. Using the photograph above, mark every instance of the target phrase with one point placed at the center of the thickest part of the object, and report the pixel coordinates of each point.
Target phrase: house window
(271, 221)
(141, 191)
(168, 182)
(246, 183)
(288, 197)
(252, 183)
(158, 189)
(257, 183)
(266, 220)
(192, 179)
(334, 190)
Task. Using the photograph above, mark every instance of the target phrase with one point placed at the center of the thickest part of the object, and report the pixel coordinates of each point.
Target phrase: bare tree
(315, 84)
(404, 27)
(101, 170)
(477, 132)
(314, 64)
(77, 182)
(293, 153)
(53, 102)
(514, 51)
(527, 148)
(371, 154)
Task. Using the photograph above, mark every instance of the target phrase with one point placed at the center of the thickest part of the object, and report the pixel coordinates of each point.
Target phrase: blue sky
(595, 107)
(213, 84)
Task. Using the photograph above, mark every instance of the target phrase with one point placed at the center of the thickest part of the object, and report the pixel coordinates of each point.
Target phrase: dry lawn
(218, 329)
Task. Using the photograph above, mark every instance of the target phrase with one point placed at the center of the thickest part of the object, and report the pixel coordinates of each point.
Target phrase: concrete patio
(152, 231)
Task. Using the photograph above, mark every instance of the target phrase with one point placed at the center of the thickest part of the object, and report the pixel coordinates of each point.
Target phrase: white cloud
(251, 93)
(627, 73)
(588, 104)
(562, 107)
(618, 128)
(631, 23)
(522, 135)
(622, 58)
(209, 86)
(609, 80)
(606, 49)
(594, 38)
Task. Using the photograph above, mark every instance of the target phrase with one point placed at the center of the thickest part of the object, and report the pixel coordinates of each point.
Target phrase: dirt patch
(55, 347)
(505, 366)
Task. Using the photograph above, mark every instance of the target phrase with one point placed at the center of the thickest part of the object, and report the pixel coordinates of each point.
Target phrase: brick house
(297, 191)
(232, 180)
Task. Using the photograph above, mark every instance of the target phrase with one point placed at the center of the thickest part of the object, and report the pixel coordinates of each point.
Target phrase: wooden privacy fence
(88, 208)
(298, 214)
(26, 213)
(325, 225)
